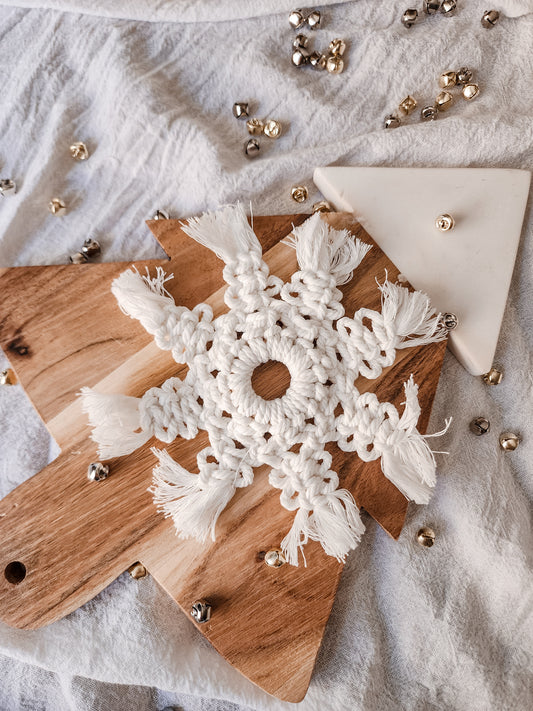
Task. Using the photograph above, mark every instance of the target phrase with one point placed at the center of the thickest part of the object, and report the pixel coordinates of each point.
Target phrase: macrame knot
(302, 325)
(170, 411)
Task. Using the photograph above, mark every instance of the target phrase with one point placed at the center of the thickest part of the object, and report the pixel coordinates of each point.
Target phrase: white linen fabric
(149, 86)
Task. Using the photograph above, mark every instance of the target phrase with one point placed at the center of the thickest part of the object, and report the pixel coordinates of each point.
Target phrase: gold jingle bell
(509, 441)
(7, 377)
(337, 46)
(56, 206)
(447, 80)
(425, 537)
(335, 64)
(444, 100)
(470, 91)
(79, 151)
(408, 105)
(272, 128)
(322, 206)
(255, 126)
(493, 377)
(137, 571)
(299, 193)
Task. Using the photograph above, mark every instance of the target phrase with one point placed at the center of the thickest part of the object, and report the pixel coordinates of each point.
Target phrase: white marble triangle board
(466, 271)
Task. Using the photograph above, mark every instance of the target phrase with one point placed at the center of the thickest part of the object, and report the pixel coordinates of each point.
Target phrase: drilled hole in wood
(15, 572)
(271, 380)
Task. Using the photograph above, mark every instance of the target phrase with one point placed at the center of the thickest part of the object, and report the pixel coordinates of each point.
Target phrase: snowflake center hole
(271, 380)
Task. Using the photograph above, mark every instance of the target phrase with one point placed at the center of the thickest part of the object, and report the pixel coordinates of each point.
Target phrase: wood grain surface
(62, 329)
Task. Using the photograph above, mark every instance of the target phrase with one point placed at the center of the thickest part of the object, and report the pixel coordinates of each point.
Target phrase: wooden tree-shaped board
(61, 328)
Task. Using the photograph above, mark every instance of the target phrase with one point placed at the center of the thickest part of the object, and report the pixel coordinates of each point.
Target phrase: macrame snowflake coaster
(301, 324)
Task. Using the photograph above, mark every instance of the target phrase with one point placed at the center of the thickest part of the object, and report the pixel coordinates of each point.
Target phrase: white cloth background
(149, 86)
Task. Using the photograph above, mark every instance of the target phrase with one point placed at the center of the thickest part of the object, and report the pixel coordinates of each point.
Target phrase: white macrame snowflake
(301, 324)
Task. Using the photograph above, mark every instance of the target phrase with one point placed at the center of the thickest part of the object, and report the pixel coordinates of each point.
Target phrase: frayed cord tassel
(146, 299)
(194, 507)
(321, 248)
(116, 422)
(225, 232)
(334, 522)
(406, 458)
(410, 316)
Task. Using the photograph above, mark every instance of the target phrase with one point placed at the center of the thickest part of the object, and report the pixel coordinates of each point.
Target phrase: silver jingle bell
(463, 76)
(7, 187)
(274, 558)
(509, 441)
(392, 121)
(300, 41)
(428, 113)
(479, 426)
(201, 611)
(160, 215)
(490, 18)
(252, 148)
(296, 19)
(449, 321)
(300, 57)
(91, 247)
(78, 258)
(240, 110)
(314, 19)
(448, 7)
(318, 60)
(431, 6)
(409, 17)
(97, 471)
